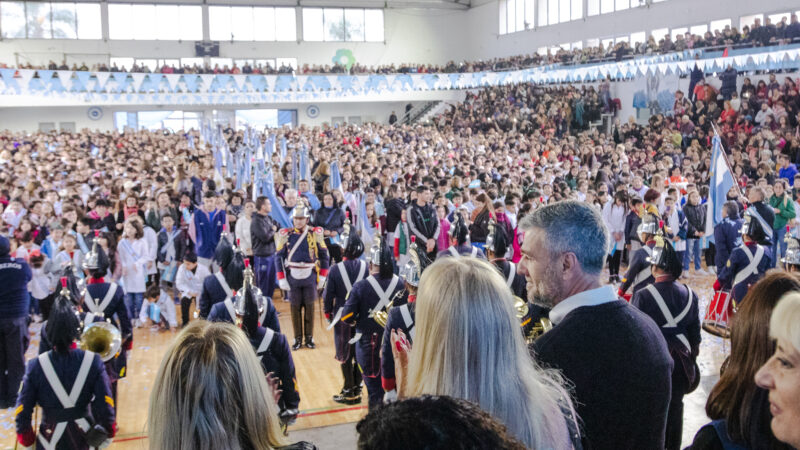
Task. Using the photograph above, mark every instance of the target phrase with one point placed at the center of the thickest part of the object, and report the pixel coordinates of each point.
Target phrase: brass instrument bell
(539, 328)
(102, 338)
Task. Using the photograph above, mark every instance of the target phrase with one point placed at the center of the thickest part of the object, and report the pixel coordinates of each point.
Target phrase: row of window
(155, 64)
(641, 36)
(56, 20)
(518, 15)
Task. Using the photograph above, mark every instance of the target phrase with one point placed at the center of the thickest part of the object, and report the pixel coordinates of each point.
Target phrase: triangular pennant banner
(65, 77)
(172, 80)
(102, 78)
(138, 79)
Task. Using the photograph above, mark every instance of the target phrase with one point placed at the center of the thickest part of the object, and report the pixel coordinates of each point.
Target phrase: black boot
(297, 344)
(310, 342)
(342, 397)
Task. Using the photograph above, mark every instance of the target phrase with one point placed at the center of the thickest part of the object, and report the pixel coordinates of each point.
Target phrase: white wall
(411, 35)
(484, 41)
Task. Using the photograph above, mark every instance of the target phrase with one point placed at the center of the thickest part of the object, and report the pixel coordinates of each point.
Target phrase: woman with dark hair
(479, 223)
(65, 418)
(331, 218)
(739, 409)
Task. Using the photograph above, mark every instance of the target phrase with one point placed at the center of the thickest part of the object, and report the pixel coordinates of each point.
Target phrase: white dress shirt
(592, 297)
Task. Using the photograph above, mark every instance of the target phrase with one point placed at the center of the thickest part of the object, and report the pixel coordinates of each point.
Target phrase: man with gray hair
(614, 355)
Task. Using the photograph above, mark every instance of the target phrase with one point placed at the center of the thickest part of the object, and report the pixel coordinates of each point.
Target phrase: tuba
(239, 299)
(539, 328)
(102, 338)
(383, 316)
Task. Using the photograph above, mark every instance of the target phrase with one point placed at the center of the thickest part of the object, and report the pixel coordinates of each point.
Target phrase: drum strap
(362, 270)
(268, 336)
(407, 319)
(512, 271)
(100, 309)
(223, 284)
(67, 400)
(751, 268)
(229, 306)
(672, 321)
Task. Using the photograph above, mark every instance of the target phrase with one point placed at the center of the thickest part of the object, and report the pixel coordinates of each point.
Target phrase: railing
(223, 88)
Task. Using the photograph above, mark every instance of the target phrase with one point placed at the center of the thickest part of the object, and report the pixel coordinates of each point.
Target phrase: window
(659, 33)
(123, 64)
(591, 43)
(750, 20)
(606, 43)
(337, 24)
(45, 20)
(245, 23)
(38, 20)
(155, 22)
(595, 7)
(577, 45)
(638, 38)
(719, 24)
(699, 29)
(12, 20)
(676, 31)
(620, 5)
(776, 18)
(625, 39)
(552, 12)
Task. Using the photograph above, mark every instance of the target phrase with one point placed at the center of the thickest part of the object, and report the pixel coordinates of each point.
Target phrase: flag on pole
(336, 177)
(268, 190)
(364, 227)
(191, 141)
(720, 182)
(283, 149)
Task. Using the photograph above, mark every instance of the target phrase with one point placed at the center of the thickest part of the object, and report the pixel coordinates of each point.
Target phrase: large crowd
(758, 35)
(517, 157)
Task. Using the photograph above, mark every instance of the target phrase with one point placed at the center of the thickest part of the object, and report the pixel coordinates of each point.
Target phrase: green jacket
(785, 205)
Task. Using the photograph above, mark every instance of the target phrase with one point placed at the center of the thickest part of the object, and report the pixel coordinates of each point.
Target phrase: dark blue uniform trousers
(13, 343)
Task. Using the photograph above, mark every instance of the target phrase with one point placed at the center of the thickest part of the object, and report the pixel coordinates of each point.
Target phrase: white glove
(390, 396)
(321, 283)
(283, 284)
(106, 443)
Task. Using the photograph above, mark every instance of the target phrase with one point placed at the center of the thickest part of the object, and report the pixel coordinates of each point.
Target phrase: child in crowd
(42, 282)
(70, 254)
(159, 309)
(53, 242)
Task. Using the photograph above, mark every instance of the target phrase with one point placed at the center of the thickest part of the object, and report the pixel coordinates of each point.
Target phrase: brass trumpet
(539, 328)
(383, 316)
(102, 338)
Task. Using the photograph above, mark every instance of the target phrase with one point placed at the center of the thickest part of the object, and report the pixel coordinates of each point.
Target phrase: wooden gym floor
(318, 379)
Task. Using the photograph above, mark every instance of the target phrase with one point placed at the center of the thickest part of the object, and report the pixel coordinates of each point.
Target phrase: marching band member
(271, 347)
(341, 279)
(674, 308)
(107, 301)
(367, 297)
(225, 310)
(303, 252)
(639, 274)
(65, 414)
(220, 285)
(458, 241)
(748, 262)
(496, 247)
(401, 316)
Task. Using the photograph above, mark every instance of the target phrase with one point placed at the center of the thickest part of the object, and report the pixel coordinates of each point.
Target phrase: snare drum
(720, 312)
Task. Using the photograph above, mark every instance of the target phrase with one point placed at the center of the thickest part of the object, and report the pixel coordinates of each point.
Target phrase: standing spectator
(14, 277)
(331, 218)
(262, 231)
(696, 221)
(728, 78)
(206, 227)
(756, 197)
(479, 220)
(782, 204)
(677, 225)
(133, 257)
(614, 219)
(243, 237)
(423, 221)
(787, 169)
(620, 371)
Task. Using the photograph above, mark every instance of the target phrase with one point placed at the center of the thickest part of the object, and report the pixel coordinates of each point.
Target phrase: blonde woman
(468, 345)
(211, 393)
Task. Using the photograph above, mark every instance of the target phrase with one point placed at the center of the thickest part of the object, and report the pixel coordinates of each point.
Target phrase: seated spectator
(468, 345)
(781, 374)
(211, 393)
(438, 423)
(740, 410)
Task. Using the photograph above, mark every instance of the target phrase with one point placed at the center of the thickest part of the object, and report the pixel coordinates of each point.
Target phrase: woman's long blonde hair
(210, 393)
(469, 345)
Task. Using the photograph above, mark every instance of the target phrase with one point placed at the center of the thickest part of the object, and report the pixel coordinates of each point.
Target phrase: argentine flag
(720, 182)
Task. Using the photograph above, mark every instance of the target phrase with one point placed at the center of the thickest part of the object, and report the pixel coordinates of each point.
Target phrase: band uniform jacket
(309, 259)
(223, 312)
(514, 280)
(363, 299)
(215, 290)
(116, 312)
(334, 298)
(461, 250)
(737, 277)
(682, 330)
(639, 274)
(64, 426)
(400, 318)
(272, 349)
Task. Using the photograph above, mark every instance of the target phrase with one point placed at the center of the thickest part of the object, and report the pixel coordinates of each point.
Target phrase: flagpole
(725, 158)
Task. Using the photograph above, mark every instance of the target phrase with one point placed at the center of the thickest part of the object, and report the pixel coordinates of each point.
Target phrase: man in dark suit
(614, 355)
